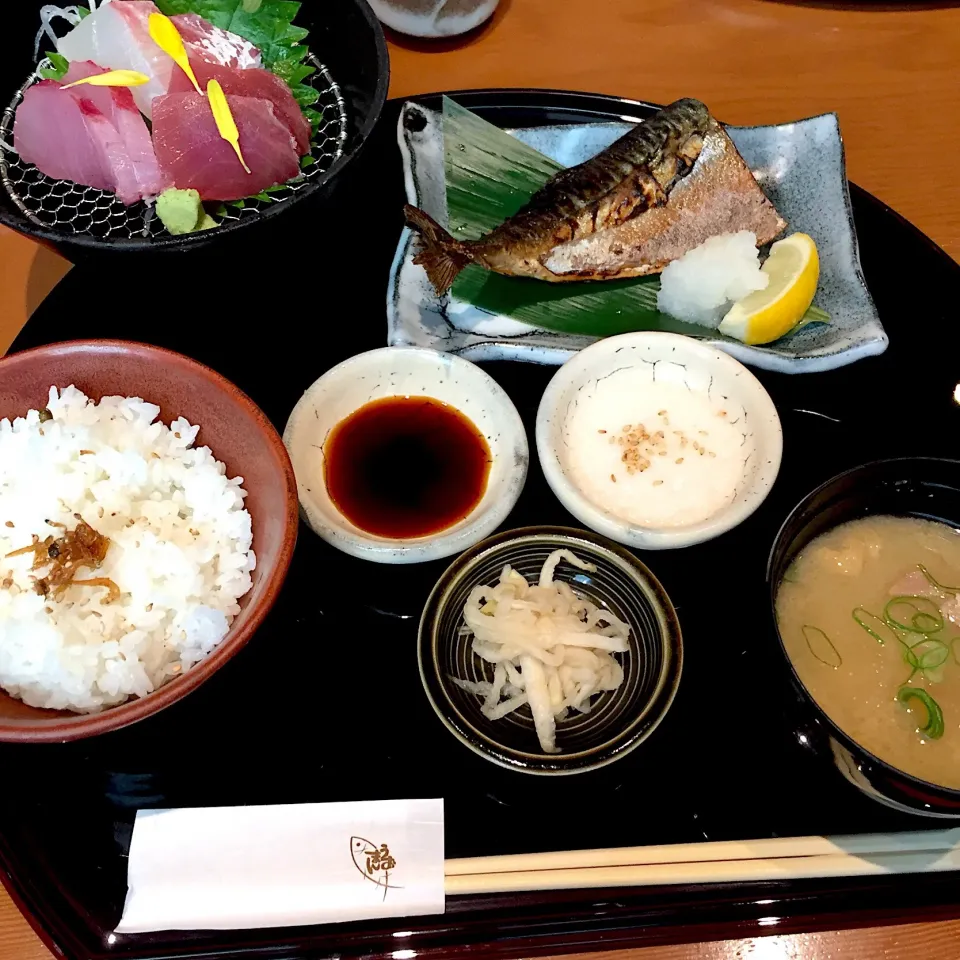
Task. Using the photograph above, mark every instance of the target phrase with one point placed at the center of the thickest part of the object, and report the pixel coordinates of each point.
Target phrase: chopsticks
(719, 862)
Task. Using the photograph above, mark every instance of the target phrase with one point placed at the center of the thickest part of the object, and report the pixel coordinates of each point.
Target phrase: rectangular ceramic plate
(800, 167)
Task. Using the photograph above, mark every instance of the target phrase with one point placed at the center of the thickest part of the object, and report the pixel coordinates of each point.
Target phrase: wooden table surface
(889, 71)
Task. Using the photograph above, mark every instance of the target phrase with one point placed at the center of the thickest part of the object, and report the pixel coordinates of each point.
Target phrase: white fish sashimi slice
(117, 37)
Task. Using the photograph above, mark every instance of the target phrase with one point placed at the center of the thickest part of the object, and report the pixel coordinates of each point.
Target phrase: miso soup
(869, 613)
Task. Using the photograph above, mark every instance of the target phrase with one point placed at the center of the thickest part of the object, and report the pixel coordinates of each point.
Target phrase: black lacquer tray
(326, 703)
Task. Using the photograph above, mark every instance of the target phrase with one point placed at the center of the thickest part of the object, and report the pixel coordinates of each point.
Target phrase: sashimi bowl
(128, 129)
(149, 516)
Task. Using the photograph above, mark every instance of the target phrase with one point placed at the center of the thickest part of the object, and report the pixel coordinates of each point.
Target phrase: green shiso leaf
(83, 12)
(490, 175)
(268, 25)
(59, 65)
(315, 117)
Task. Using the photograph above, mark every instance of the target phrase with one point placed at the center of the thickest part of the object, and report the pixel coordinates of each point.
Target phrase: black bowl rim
(582, 761)
(953, 793)
(15, 221)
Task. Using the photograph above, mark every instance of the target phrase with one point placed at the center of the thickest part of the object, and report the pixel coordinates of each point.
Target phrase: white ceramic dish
(406, 371)
(648, 358)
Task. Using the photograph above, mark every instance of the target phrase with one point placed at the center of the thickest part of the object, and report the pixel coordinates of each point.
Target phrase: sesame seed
(601, 431)
(613, 478)
(658, 483)
(678, 460)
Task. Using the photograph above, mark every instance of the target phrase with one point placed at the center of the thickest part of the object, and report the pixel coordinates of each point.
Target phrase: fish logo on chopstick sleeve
(375, 863)
(224, 119)
(165, 35)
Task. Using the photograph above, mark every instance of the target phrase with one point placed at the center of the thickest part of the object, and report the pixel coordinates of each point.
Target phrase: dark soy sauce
(405, 467)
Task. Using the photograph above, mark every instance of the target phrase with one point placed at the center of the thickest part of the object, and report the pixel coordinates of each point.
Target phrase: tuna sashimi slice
(118, 106)
(53, 132)
(193, 154)
(117, 36)
(261, 84)
(206, 42)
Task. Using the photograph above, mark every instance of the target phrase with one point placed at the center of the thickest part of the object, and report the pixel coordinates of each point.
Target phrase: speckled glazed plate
(800, 167)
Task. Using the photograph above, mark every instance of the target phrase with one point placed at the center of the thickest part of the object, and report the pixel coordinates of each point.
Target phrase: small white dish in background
(657, 440)
(406, 372)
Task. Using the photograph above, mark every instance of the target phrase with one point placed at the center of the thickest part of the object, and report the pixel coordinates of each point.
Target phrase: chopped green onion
(820, 636)
(936, 583)
(920, 620)
(934, 653)
(934, 725)
(860, 615)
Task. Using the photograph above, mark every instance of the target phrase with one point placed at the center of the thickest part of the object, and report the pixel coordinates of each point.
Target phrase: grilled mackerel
(660, 190)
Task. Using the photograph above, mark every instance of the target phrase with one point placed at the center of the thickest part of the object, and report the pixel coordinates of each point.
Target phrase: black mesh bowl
(349, 54)
(619, 720)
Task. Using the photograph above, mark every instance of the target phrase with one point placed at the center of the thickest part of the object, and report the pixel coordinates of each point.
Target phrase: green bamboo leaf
(490, 175)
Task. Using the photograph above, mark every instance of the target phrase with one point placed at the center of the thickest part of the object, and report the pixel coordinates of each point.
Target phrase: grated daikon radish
(550, 648)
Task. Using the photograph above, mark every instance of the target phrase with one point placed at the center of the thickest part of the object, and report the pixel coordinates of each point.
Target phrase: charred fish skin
(633, 174)
(590, 222)
(719, 196)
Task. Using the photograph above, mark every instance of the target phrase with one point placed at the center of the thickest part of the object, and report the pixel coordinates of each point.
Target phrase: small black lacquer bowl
(619, 720)
(925, 487)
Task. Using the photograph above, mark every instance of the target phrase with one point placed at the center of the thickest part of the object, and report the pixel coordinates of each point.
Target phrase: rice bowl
(180, 551)
(239, 435)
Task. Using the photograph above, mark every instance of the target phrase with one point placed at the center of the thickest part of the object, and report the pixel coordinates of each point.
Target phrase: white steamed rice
(179, 551)
(704, 283)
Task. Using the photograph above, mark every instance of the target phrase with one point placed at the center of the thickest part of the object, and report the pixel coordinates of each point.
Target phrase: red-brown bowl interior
(238, 434)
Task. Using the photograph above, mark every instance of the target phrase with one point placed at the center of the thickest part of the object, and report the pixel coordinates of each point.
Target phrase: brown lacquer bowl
(237, 432)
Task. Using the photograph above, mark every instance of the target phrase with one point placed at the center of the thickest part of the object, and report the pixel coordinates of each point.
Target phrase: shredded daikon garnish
(549, 647)
(48, 13)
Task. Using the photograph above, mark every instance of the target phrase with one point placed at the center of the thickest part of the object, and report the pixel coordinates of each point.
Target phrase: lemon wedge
(766, 315)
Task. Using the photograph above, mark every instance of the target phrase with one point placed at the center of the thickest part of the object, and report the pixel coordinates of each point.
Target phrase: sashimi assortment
(135, 113)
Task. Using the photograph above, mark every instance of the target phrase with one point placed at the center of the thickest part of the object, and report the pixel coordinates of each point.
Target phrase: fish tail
(440, 255)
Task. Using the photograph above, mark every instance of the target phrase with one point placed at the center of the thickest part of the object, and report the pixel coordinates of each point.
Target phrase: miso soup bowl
(924, 487)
